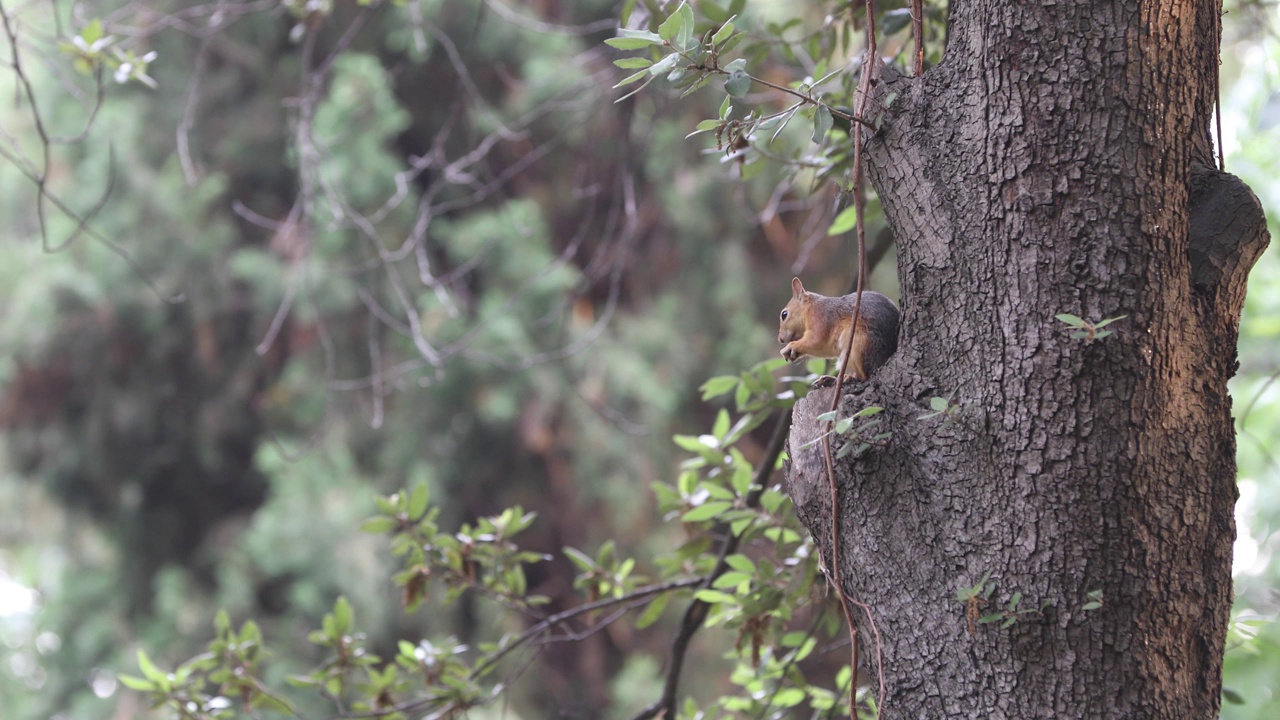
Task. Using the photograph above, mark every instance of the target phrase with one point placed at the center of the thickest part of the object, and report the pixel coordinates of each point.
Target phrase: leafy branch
(691, 61)
(724, 502)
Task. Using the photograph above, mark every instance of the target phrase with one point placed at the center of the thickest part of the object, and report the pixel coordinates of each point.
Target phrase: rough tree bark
(1057, 161)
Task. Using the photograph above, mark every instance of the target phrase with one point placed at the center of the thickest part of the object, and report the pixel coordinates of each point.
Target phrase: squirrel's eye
(784, 314)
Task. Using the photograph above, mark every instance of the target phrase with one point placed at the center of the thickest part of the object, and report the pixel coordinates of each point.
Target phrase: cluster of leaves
(422, 676)
(93, 50)
(745, 561)
(231, 667)
(1085, 330)
(763, 579)
(479, 557)
(975, 596)
(856, 428)
(945, 407)
(690, 52)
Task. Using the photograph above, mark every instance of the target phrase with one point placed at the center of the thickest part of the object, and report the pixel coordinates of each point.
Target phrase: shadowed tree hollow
(1059, 160)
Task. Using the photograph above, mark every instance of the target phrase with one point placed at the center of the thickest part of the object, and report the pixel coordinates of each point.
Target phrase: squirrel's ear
(797, 287)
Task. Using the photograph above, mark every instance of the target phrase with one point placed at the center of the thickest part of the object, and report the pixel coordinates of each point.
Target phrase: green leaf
(664, 65)
(653, 611)
(685, 40)
(378, 525)
(788, 697)
(827, 416)
(1108, 321)
(691, 443)
(845, 221)
(993, 617)
(742, 479)
(136, 683)
(630, 79)
(822, 122)
(631, 63)
(642, 34)
(938, 404)
(672, 25)
(707, 510)
(418, 501)
(1228, 694)
(1072, 320)
(698, 84)
(715, 597)
(771, 500)
(686, 482)
(1091, 606)
(848, 448)
(148, 668)
(739, 65)
(723, 33)
(731, 43)
(731, 579)
(843, 426)
(631, 43)
(387, 505)
(342, 615)
(92, 32)
(742, 396)
(721, 426)
(581, 559)
(737, 84)
(725, 108)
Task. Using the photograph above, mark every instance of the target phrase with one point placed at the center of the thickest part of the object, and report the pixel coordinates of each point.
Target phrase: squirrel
(818, 326)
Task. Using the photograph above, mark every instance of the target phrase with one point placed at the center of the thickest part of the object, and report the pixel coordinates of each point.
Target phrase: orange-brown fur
(816, 325)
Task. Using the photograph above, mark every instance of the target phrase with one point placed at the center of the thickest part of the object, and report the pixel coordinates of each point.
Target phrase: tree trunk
(1057, 161)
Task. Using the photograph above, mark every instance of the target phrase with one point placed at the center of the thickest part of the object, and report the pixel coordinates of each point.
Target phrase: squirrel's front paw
(789, 353)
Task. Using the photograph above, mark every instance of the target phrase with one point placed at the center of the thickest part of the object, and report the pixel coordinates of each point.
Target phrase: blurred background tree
(342, 248)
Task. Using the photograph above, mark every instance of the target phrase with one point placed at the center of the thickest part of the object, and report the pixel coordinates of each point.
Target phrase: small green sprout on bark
(944, 406)
(1085, 330)
(978, 595)
(860, 437)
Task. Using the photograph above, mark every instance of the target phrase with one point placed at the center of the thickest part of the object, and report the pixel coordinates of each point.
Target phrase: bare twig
(917, 34)
(865, 84)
